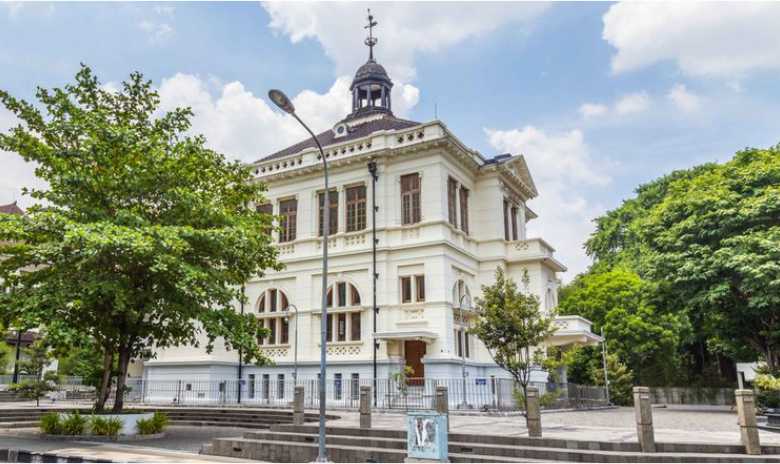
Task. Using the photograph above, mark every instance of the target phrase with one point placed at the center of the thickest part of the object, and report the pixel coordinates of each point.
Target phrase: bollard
(298, 405)
(644, 419)
(533, 416)
(365, 407)
(746, 413)
(443, 403)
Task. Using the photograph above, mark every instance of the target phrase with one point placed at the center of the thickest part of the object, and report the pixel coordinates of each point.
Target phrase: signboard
(481, 381)
(426, 436)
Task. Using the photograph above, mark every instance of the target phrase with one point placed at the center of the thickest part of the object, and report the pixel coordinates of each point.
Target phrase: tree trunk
(121, 378)
(105, 382)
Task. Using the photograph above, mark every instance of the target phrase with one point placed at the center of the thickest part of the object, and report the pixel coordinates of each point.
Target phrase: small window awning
(425, 335)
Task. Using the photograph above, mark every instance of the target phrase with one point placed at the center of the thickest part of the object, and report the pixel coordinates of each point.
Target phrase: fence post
(365, 407)
(746, 413)
(644, 419)
(533, 414)
(298, 396)
(443, 403)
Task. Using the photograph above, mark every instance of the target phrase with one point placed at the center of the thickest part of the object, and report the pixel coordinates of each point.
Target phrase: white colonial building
(446, 218)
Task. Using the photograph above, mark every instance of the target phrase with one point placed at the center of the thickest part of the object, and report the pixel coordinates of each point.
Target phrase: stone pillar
(644, 419)
(443, 403)
(533, 415)
(365, 407)
(298, 405)
(746, 413)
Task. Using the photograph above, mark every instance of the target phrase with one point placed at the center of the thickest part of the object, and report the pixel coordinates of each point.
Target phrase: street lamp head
(281, 100)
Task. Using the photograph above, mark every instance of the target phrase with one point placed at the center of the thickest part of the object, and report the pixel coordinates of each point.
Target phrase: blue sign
(426, 435)
(480, 381)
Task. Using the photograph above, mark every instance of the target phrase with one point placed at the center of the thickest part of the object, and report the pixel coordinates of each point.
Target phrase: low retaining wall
(715, 396)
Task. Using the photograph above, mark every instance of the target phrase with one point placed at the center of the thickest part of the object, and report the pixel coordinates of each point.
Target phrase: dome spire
(371, 40)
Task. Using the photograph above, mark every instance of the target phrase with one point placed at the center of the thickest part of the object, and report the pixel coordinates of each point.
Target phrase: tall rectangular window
(280, 386)
(406, 289)
(288, 210)
(410, 198)
(272, 326)
(355, 326)
(341, 322)
(252, 386)
(464, 210)
(356, 208)
(336, 386)
(355, 387)
(452, 189)
(460, 342)
(419, 282)
(466, 343)
(334, 211)
(514, 223)
(506, 219)
(285, 335)
(272, 300)
(329, 331)
(266, 386)
(342, 290)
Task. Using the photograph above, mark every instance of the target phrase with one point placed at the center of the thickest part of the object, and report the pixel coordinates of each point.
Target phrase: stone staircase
(9, 396)
(211, 417)
(289, 443)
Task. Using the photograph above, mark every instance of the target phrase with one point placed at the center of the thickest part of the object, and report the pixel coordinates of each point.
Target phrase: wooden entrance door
(414, 351)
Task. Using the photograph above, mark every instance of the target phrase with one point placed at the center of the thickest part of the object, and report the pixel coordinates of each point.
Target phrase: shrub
(51, 423)
(768, 396)
(155, 424)
(74, 424)
(146, 426)
(106, 426)
(160, 420)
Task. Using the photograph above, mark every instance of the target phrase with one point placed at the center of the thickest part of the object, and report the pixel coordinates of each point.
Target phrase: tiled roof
(326, 138)
(11, 208)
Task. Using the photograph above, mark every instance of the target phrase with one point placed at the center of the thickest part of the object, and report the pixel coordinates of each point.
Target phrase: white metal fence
(473, 393)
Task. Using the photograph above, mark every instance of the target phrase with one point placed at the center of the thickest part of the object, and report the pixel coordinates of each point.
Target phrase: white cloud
(684, 99)
(405, 29)
(16, 173)
(703, 38)
(157, 32)
(632, 103)
(242, 125)
(562, 168)
(591, 110)
(627, 104)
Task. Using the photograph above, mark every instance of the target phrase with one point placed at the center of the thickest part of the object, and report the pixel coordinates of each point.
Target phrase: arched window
(460, 293)
(271, 303)
(345, 316)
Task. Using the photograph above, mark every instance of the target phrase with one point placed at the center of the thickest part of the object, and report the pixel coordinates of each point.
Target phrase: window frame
(411, 198)
(288, 224)
(356, 200)
(333, 196)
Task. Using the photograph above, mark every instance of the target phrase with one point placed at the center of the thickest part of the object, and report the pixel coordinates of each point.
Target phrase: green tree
(142, 238)
(714, 241)
(620, 379)
(642, 336)
(513, 328)
(37, 358)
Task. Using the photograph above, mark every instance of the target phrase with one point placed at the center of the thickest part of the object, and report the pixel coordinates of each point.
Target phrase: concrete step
(19, 424)
(476, 446)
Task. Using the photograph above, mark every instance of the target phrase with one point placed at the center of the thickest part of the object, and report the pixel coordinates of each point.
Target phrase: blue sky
(599, 97)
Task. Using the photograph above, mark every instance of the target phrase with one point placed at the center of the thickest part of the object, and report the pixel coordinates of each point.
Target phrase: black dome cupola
(371, 85)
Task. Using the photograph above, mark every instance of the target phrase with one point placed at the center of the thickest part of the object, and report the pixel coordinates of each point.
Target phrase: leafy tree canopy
(512, 327)
(142, 238)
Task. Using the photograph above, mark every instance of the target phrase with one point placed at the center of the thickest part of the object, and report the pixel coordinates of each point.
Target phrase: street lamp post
(284, 103)
(295, 348)
(461, 337)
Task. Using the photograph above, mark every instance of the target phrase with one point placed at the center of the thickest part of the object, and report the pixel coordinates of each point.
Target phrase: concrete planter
(129, 421)
(102, 438)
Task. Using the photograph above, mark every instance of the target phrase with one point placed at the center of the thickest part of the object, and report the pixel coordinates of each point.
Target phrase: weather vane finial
(371, 40)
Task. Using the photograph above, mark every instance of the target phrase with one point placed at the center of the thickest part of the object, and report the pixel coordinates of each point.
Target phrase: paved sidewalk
(672, 424)
(131, 453)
